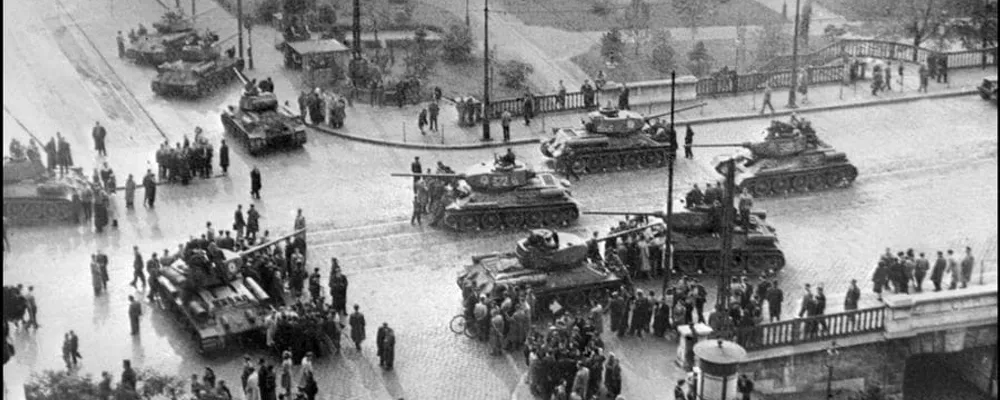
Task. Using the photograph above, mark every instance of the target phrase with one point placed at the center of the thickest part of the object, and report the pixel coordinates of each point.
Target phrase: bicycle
(459, 325)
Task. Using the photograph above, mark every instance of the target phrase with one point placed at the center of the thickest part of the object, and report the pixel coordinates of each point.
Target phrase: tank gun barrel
(657, 214)
(239, 75)
(626, 232)
(410, 174)
(744, 145)
(273, 242)
(682, 109)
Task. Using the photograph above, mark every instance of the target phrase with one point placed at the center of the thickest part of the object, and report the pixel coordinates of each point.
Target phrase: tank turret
(491, 196)
(788, 157)
(172, 22)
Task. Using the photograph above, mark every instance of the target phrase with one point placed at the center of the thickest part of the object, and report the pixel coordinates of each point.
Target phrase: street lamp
(486, 70)
(467, 13)
(795, 59)
(831, 357)
(667, 262)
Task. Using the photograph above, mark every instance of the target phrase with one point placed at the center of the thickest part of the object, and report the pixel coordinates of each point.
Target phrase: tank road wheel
(850, 174)
(574, 300)
(816, 182)
(452, 221)
(835, 179)
(595, 164)
(631, 161)
(533, 219)
(513, 220)
(800, 184)
(773, 262)
(199, 347)
(760, 188)
(688, 264)
(779, 186)
(612, 163)
(579, 166)
(567, 217)
(757, 263)
(256, 146)
(711, 263)
(468, 223)
(552, 218)
(490, 222)
(653, 159)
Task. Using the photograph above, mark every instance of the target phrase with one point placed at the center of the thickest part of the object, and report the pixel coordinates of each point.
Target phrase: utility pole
(467, 13)
(193, 12)
(486, 70)
(249, 26)
(795, 59)
(668, 250)
(239, 26)
(356, 31)
(727, 235)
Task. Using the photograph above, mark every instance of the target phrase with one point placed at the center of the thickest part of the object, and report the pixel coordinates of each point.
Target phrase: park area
(603, 15)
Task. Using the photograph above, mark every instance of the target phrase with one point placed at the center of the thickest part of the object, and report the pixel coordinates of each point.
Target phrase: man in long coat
(357, 322)
(338, 289)
(224, 157)
(65, 155)
(255, 184)
(149, 186)
(51, 154)
(385, 341)
(100, 134)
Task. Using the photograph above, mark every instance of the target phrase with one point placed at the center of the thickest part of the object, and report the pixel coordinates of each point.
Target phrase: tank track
(578, 297)
(802, 181)
(202, 88)
(498, 218)
(596, 162)
(39, 211)
(695, 262)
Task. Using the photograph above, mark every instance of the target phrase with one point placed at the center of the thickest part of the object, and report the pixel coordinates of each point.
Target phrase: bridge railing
(885, 50)
(812, 329)
(543, 104)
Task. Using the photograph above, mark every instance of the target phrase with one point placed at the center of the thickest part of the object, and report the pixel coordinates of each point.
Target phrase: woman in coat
(613, 376)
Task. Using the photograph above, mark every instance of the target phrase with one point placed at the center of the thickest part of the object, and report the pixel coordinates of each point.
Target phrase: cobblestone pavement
(928, 173)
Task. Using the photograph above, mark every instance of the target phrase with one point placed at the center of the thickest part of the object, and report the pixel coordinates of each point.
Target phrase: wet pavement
(928, 173)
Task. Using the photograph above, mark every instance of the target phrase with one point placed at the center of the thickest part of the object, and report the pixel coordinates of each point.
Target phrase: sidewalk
(397, 127)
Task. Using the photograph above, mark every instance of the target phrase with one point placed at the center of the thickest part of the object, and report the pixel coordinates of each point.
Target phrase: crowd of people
(186, 160)
(905, 271)
(568, 361)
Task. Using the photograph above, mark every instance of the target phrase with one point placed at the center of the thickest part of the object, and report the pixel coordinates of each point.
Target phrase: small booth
(716, 370)
(323, 60)
(687, 341)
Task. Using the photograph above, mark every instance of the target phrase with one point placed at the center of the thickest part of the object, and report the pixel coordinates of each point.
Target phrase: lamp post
(249, 26)
(831, 357)
(668, 249)
(467, 13)
(486, 70)
(239, 27)
(795, 59)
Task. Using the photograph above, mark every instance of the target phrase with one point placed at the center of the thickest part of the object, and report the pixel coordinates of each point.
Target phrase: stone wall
(877, 363)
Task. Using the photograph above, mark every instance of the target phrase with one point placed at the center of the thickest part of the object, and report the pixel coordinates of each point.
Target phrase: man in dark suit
(255, 184)
(416, 168)
(100, 134)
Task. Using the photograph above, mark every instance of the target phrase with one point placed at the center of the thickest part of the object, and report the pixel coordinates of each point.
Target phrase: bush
(514, 74)
(601, 7)
(612, 46)
(327, 15)
(421, 57)
(266, 9)
(662, 57)
(699, 61)
(457, 43)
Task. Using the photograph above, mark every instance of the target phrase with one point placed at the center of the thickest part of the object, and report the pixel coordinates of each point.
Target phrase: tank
(498, 195)
(32, 195)
(611, 140)
(174, 39)
(260, 123)
(553, 264)
(695, 234)
(216, 305)
(789, 158)
(194, 79)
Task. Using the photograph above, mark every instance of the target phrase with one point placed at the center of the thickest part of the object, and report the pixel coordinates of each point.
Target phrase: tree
(805, 19)
(421, 58)
(917, 19)
(662, 56)
(699, 61)
(635, 20)
(295, 7)
(772, 41)
(869, 393)
(692, 13)
(457, 43)
(514, 74)
(979, 31)
(326, 14)
(612, 46)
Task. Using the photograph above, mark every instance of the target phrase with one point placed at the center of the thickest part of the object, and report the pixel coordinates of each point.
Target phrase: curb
(697, 121)
(730, 118)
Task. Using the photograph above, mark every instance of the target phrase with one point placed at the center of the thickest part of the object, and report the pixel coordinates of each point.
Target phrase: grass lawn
(576, 15)
(639, 69)
(858, 10)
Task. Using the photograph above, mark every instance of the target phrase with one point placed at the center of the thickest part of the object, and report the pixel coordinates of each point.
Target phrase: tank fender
(761, 239)
(760, 214)
(552, 192)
